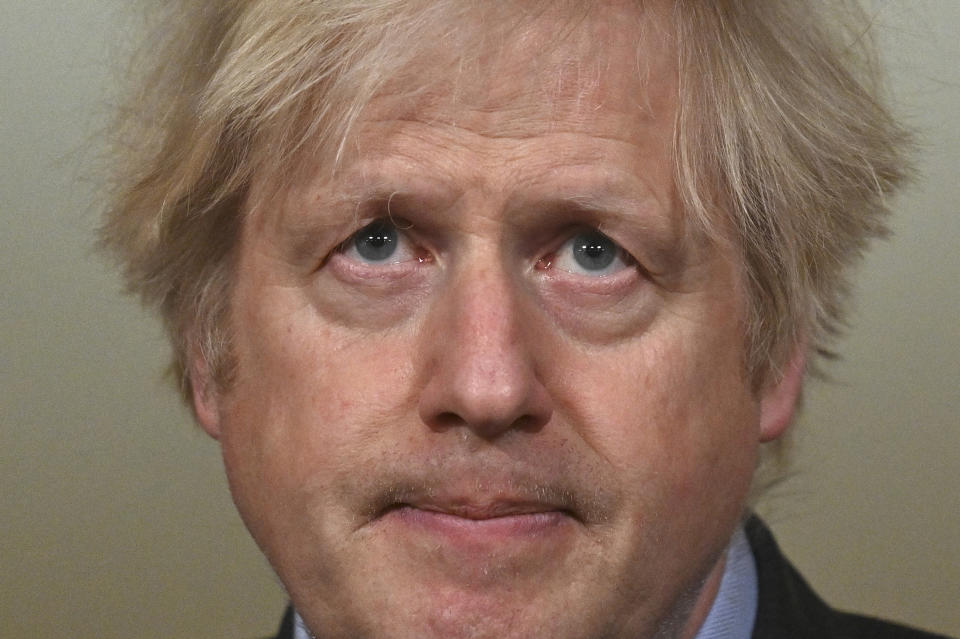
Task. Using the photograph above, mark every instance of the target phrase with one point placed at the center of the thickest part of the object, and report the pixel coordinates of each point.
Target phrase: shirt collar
(735, 607)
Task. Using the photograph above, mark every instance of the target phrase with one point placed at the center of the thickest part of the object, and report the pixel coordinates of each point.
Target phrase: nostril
(445, 420)
(487, 428)
(531, 423)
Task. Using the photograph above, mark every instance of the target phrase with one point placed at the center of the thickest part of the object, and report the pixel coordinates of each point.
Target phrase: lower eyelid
(358, 272)
(616, 282)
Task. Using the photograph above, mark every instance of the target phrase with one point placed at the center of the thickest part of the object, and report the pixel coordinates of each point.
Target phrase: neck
(705, 600)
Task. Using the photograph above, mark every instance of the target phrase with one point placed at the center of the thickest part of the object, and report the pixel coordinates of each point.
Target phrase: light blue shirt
(733, 610)
(735, 607)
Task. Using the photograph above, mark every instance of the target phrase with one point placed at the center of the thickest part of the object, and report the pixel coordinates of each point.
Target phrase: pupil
(377, 241)
(594, 251)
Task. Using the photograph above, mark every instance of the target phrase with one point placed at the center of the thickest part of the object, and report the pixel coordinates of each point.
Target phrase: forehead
(534, 75)
(525, 72)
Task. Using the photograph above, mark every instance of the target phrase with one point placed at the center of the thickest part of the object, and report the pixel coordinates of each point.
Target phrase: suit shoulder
(788, 608)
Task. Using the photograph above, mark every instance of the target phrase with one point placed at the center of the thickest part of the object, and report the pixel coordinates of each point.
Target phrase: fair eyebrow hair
(338, 207)
(372, 189)
(663, 247)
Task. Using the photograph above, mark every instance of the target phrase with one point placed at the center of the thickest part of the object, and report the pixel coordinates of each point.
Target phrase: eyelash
(588, 252)
(381, 233)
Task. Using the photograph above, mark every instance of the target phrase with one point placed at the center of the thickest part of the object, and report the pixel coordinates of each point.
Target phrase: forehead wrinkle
(576, 65)
(572, 96)
(548, 64)
(456, 159)
(408, 136)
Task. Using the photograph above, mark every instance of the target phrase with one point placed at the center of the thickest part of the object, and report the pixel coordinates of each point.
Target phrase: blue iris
(376, 242)
(593, 250)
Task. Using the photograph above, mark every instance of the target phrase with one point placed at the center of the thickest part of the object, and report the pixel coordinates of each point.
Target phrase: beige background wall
(115, 517)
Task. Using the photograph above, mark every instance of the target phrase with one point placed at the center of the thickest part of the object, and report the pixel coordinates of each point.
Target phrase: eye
(591, 253)
(380, 242)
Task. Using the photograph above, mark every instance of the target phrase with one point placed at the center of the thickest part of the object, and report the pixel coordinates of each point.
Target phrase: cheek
(310, 369)
(308, 396)
(672, 413)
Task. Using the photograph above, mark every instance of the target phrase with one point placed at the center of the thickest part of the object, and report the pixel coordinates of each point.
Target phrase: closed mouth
(484, 511)
(493, 510)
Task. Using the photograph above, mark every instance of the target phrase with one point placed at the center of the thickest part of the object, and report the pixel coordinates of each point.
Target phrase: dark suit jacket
(788, 608)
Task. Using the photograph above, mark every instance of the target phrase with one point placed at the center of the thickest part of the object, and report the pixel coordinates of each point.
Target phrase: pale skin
(473, 433)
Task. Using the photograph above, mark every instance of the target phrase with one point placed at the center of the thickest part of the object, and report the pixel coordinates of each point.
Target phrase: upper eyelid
(569, 235)
(562, 237)
(621, 251)
(401, 225)
(379, 208)
(348, 245)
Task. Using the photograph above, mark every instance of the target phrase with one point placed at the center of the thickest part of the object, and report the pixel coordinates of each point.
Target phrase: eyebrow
(661, 237)
(340, 209)
(338, 206)
(307, 227)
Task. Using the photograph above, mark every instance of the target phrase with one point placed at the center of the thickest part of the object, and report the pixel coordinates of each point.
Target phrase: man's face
(489, 384)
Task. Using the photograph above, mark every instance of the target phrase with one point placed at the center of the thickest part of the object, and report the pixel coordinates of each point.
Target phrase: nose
(482, 365)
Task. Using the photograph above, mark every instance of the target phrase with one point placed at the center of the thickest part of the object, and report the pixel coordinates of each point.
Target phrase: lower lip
(490, 530)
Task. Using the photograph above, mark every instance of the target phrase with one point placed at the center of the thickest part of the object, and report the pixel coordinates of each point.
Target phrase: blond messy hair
(782, 147)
